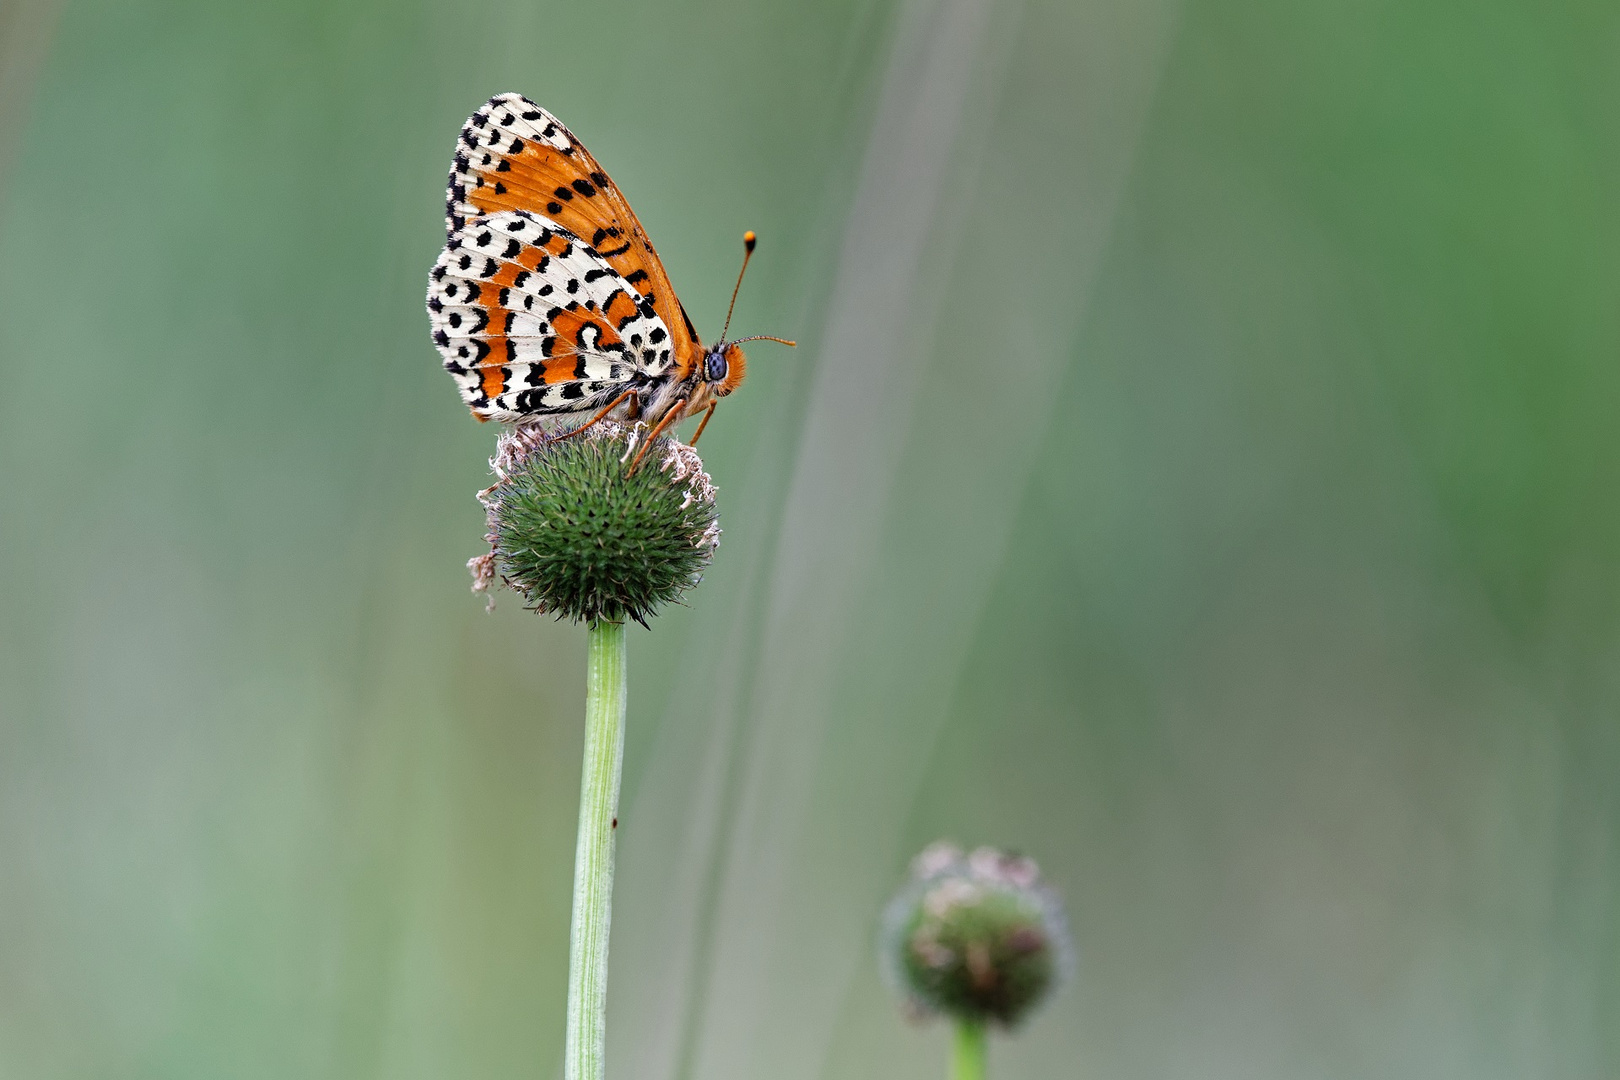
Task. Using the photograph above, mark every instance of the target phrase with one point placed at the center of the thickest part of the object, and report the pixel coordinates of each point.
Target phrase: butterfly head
(723, 368)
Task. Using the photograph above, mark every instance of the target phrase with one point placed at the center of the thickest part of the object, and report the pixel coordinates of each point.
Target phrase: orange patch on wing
(569, 325)
(489, 202)
(530, 182)
(560, 369)
(494, 379)
(620, 307)
(507, 273)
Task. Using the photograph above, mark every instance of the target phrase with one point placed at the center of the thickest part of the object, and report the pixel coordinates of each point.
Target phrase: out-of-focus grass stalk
(593, 858)
(967, 1055)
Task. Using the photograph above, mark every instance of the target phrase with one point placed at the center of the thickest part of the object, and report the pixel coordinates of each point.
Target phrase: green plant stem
(967, 1059)
(593, 858)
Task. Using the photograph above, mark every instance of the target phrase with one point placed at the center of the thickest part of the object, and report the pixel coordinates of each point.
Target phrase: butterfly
(548, 299)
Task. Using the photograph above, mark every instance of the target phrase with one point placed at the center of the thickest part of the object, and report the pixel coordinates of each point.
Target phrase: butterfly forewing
(532, 320)
(514, 155)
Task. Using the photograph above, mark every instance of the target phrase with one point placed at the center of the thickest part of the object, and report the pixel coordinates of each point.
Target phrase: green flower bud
(975, 937)
(579, 534)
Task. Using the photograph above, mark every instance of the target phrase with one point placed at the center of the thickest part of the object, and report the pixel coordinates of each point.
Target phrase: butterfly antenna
(749, 240)
(764, 337)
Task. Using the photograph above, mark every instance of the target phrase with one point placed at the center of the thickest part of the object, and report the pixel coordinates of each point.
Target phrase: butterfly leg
(614, 404)
(669, 417)
(706, 414)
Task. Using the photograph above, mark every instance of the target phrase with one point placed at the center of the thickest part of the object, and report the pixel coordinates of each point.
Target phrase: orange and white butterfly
(548, 297)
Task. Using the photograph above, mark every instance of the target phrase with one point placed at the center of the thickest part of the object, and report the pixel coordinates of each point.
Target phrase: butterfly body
(548, 299)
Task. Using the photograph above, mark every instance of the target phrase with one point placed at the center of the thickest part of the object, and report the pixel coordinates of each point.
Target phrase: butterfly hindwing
(514, 155)
(530, 320)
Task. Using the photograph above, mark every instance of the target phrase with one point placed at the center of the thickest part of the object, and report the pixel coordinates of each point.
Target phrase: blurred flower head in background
(976, 936)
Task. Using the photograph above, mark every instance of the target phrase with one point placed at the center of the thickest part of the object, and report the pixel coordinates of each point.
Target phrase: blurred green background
(1199, 470)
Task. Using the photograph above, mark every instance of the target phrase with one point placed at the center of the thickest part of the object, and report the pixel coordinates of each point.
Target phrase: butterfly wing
(531, 320)
(514, 155)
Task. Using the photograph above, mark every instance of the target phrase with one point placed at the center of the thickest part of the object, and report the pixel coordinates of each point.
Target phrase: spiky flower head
(581, 535)
(976, 936)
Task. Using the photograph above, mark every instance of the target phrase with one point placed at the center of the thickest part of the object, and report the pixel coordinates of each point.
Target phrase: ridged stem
(967, 1056)
(593, 858)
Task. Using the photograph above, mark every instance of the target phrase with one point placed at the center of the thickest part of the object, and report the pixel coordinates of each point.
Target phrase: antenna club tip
(749, 239)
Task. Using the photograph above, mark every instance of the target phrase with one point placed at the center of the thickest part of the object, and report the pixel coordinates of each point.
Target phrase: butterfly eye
(714, 367)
